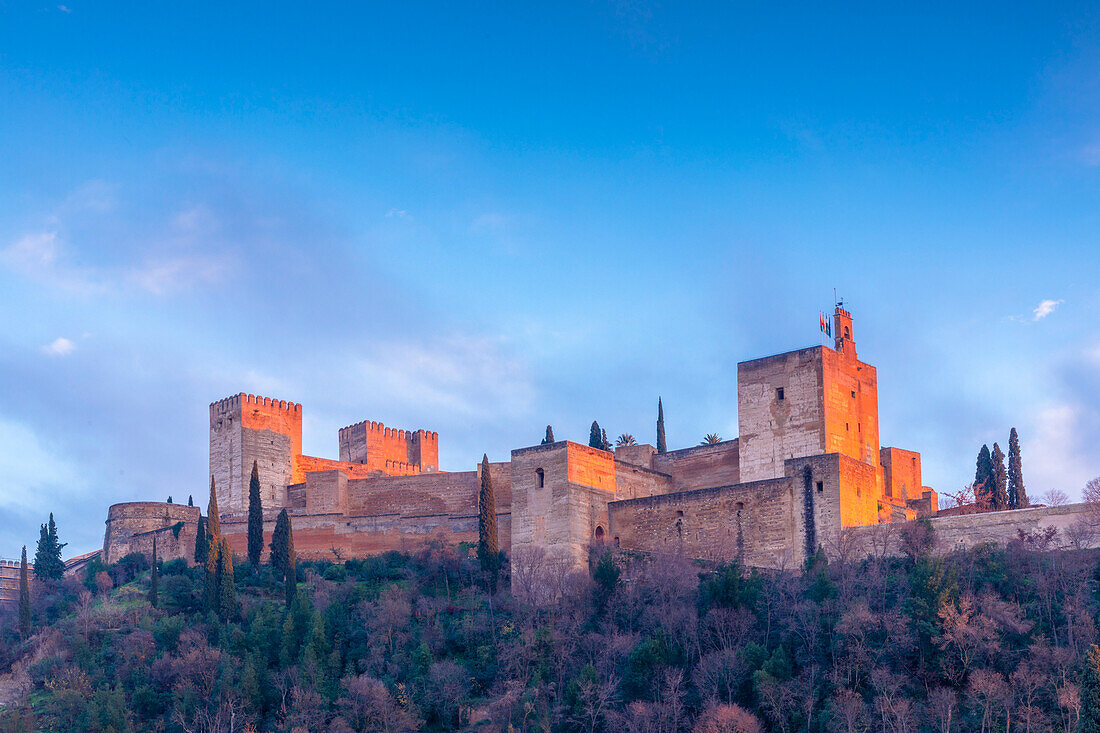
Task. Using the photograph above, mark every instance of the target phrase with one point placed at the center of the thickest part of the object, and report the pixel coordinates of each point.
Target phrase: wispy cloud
(38, 249)
(60, 346)
(1044, 309)
(64, 8)
(396, 213)
(175, 274)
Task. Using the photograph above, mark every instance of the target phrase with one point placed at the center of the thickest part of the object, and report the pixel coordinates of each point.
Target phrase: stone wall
(633, 481)
(246, 428)
(389, 450)
(851, 406)
(901, 473)
(701, 466)
(130, 528)
(780, 413)
(1076, 526)
(9, 582)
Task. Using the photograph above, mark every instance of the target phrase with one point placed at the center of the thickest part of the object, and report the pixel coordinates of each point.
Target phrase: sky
(480, 218)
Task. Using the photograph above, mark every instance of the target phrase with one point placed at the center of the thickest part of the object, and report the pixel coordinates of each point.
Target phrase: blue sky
(484, 218)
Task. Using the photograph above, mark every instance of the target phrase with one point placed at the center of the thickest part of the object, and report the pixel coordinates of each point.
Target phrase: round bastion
(131, 526)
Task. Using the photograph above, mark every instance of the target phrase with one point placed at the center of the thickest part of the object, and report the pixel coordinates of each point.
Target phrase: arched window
(599, 533)
(540, 478)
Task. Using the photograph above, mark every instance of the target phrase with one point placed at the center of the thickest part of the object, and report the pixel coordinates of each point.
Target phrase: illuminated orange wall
(591, 466)
(901, 473)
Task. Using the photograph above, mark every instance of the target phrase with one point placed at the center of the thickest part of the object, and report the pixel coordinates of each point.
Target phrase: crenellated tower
(246, 428)
(390, 450)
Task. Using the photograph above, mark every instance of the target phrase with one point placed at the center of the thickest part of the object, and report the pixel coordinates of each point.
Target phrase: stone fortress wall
(806, 472)
(131, 526)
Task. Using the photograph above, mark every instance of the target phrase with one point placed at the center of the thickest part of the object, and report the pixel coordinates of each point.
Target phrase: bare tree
(942, 705)
(723, 718)
(849, 712)
(1054, 497)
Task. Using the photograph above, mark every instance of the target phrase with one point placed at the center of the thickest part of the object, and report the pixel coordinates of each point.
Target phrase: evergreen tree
(213, 519)
(255, 519)
(169, 499)
(1017, 494)
(291, 576)
(202, 543)
(48, 564)
(983, 479)
(154, 581)
(1089, 721)
(605, 444)
(1000, 479)
(280, 544)
(227, 586)
(661, 447)
(595, 436)
(211, 593)
(190, 500)
(549, 436)
(487, 541)
(24, 596)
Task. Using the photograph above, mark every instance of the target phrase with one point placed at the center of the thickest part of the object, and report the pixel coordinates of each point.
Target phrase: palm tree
(710, 439)
(625, 439)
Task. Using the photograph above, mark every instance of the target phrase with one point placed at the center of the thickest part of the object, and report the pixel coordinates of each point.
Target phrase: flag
(826, 323)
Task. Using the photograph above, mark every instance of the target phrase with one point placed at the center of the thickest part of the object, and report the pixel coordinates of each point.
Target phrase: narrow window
(853, 393)
(540, 478)
(847, 333)
(679, 512)
(599, 533)
(860, 427)
(779, 392)
(820, 486)
(846, 426)
(740, 506)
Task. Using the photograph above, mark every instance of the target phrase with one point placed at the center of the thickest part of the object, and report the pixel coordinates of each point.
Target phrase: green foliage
(488, 551)
(280, 544)
(24, 597)
(154, 577)
(983, 479)
(549, 437)
(642, 667)
(202, 543)
(595, 436)
(1090, 692)
(727, 587)
(255, 519)
(48, 564)
(605, 573)
(661, 447)
(999, 495)
(1017, 493)
(213, 517)
(227, 587)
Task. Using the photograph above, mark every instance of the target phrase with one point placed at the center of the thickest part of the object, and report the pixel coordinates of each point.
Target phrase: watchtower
(246, 428)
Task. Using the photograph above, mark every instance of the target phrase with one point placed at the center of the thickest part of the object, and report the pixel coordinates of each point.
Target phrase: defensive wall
(1076, 525)
(131, 526)
(9, 582)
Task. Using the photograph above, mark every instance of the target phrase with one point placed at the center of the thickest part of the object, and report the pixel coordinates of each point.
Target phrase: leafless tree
(849, 712)
(989, 690)
(942, 704)
(723, 718)
(1054, 497)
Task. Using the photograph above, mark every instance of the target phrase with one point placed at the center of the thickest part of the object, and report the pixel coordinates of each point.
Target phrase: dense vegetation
(987, 640)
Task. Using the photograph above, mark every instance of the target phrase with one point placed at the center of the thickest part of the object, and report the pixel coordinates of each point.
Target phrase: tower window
(540, 478)
(779, 393)
(847, 333)
(853, 393)
(846, 426)
(820, 486)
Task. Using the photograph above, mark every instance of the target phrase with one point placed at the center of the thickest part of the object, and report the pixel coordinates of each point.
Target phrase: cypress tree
(291, 576)
(153, 578)
(661, 447)
(595, 436)
(255, 519)
(24, 597)
(227, 586)
(213, 519)
(983, 479)
(48, 564)
(549, 436)
(280, 547)
(202, 543)
(1089, 722)
(1017, 494)
(487, 543)
(605, 443)
(190, 500)
(169, 499)
(1000, 479)
(211, 592)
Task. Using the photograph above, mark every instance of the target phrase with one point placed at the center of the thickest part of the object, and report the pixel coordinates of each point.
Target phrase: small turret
(842, 333)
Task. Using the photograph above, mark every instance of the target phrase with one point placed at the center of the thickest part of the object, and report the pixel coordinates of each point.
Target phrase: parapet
(131, 526)
(236, 402)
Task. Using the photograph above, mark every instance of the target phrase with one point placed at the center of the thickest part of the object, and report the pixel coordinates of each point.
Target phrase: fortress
(805, 469)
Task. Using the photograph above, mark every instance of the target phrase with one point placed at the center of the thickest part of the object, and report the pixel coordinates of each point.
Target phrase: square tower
(246, 428)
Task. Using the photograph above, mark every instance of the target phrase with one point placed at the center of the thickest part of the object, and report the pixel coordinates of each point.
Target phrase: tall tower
(843, 334)
(246, 428)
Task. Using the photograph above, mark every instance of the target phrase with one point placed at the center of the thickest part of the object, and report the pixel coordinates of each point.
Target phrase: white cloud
(32, 251)
(468, 377)
(60, 346)
(1051, 458)
(64, 8)
(399, 213)
(1045, 308)
(161, 277)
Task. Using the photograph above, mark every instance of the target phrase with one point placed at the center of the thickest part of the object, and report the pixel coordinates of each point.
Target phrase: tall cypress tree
(487, 541)
(1089, 722)
(279, 543)
(211, 592)
(48, 564)
(213, 519)
(1017, 494)
(202, 543)
(290, 579)
(604, 442)
(1000, 479)
(154, 580)
(549, 436)
(595, 436)
(24, 596)
(227, 586)
(661, 447)
(190, 500)
(255, 519)
(983, 480)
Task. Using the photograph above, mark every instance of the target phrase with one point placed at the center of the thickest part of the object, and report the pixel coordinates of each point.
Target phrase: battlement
(389, 450)
(231, 405)
(370, 427)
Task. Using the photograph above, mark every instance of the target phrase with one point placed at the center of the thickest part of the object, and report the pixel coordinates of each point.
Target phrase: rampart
(701, 466)
(390, 450)
(130, 528)
(9, 582)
